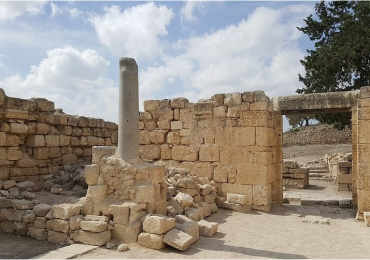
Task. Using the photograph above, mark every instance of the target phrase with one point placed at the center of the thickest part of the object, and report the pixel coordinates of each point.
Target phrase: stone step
(341, 203)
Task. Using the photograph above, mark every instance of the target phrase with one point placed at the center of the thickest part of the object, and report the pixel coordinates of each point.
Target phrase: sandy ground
(279, 234)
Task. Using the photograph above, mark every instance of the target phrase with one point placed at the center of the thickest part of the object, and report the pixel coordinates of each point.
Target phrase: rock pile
(295, 176)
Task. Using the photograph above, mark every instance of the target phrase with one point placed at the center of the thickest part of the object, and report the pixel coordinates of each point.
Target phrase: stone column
(128, 128)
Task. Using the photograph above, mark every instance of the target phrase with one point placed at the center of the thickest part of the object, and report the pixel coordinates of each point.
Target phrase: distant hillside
(317, 134)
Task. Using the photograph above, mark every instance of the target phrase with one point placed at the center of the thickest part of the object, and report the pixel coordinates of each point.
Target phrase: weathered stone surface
(184, 199)
(29, 218)
(91, 174)
(42, 209)
(188, 226)
(207, 229)
(120, 213)
(40, 222)
(195, 214)
(127, 233)
(8, 184)
(152, 241)
(178, 209)
(206, 208)
(178, 239)
(237, 207)
(60, 225)
(237, 199)
(25, 185)
(74, 222)
(157, 224)
(37, 233)
(96, 218)
(185, 153)
(94, 226)
(65, 211)
(91, 238)
(22, 204)
(20, 228)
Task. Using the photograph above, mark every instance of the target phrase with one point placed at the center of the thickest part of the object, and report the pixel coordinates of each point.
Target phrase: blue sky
(68, 51)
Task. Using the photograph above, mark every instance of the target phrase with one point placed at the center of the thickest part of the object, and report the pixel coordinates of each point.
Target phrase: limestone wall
(234, 139)
(36, 139)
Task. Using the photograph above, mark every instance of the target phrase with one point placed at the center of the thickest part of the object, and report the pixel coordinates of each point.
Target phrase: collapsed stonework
(180, 164)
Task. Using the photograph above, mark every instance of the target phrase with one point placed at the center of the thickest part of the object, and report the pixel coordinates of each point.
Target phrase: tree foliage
(299, 120)
(341, 58)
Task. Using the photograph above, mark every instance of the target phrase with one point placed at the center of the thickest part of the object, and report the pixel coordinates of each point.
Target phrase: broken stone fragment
(91, 238)
(207, 229)
(158, 224)
(178, 239)
(153, 241)
(184, 199)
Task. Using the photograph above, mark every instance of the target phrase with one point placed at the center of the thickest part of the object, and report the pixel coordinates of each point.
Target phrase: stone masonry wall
(234, 139)
(317, 134)
(36, 139)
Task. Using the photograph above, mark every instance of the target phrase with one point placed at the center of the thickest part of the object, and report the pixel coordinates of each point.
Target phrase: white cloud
(75, 80)
(9, 10)
(55, 10)
(1, 62)
(136, 31)
(74, 12)
(188, 9)
(259, 53)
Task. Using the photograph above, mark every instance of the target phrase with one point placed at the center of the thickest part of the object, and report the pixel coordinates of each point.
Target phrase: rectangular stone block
(255, 118)
(52, 140)
(237, 189)
(66, 210)
(12, 140)
(152, 241)
(18, 128)
(264, 136)
(14, 154)
(120, 213)
(166, 152)
(96, 193)
(221, 173)
(262, 195)
(209, 153)
(203, 109)
(363, 200)
(237, 198)
(150, 152)
(200, 169)
(127, 233)
(345, 178)
(363, 131)
(15, 114)
(252, 174)
(157, 224)
(91, 174)
(41, 153)
(185, 153)
(176, 125)
(99, 151)
(91, 238)
(17, 172)
(178, 239)
(235, 136)
(35, 141)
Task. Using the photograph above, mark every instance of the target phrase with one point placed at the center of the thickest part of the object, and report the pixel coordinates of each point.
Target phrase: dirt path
(280, 234)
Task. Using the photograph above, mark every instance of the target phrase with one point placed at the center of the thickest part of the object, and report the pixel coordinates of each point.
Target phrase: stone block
(237, 189)
(237, 207)
(184, 199)
(367, 218)
(264, 136)
(15, 114)
(206, 208)
(209, 153)
(166, 152)
(199, 169)
(91, 174)
(151, 105)
(91, 238)
(69, 158)
(8, 184)
(100, 151)
(5, 203)
(12, 140)
(157, 224)
(20, 228)
(40, 222)
(233, 99)
(188, 226)
(74, 222)
(52, 140)
(195, 214)
(221, 173)
(185, 153)
(344, 178)
(96, 193)
(60, 225)
(207, 229)
(35, 141)
(7, 214)
(262, 195)
(18, 128)
(42, 209)
(41, 153)
(178, 239)
(65, 210)
(237, 199)
(152, 241)
(150, 152)
(22, 204)
(252, 174)
(94, 226)
(176, 125)
(7, 226)
(157, 137)
(29, 217)
(173, 138)
(120, 213)
(179, 102)
(127, 233)
(57, 237)
(144, 137)
(37, 233)
(25, 163)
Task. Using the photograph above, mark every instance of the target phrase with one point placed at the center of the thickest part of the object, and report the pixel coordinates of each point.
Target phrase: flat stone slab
(67, 252)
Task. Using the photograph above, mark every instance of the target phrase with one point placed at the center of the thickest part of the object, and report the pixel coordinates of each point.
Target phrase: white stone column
(128, 128)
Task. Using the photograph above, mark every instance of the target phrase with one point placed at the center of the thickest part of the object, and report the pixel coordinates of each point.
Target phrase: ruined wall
(234, 139)
(36, 139)
(317, 134)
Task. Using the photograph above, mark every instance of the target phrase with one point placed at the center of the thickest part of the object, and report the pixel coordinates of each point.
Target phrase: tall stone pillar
(128, 129)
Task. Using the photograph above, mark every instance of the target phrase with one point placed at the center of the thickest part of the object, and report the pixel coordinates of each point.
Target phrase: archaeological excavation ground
(157, 179)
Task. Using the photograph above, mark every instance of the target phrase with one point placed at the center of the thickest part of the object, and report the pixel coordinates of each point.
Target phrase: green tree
(341, 58)
(299, 120)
